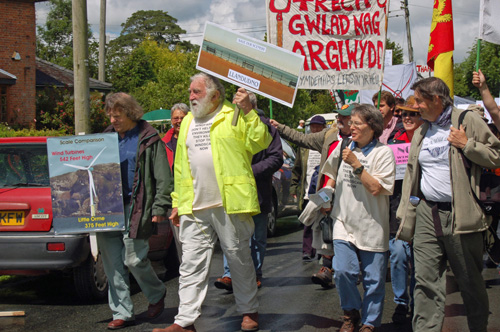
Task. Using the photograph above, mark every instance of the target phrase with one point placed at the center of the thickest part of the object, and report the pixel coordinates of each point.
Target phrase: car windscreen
(24, 165)
(288, 154)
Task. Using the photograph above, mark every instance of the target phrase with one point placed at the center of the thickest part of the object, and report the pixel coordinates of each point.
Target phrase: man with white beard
(215, 197)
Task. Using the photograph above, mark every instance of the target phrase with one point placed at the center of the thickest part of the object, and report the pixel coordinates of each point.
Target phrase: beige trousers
(198, 234)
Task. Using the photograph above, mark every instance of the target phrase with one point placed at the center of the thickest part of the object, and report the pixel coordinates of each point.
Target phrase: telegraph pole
(408, 34)
(80, 67)
(102, 42)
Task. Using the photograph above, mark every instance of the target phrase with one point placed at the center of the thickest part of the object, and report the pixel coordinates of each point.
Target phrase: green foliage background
(151, 62)
(489, 64)
(54, 41)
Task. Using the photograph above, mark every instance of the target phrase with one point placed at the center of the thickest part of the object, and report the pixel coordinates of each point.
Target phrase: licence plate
(11, 218)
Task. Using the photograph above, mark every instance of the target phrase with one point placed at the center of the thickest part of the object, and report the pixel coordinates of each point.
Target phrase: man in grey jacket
(436, 208)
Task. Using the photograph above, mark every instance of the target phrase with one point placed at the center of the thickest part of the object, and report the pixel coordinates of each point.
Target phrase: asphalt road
(288, 299)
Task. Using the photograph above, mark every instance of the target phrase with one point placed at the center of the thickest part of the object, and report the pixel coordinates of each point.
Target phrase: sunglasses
(410, 114)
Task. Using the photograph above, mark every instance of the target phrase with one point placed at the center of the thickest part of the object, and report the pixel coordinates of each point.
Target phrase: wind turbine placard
(85, 183)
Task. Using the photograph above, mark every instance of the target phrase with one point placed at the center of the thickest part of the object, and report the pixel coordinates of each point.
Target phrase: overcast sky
(248, 17)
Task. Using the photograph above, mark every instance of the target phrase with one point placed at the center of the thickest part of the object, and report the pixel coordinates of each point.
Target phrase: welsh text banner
(343, 41)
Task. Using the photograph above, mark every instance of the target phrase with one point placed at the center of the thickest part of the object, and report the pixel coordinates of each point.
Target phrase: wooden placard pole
(236, 115)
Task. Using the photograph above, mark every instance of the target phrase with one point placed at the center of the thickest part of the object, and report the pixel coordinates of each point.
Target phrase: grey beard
(202, 109)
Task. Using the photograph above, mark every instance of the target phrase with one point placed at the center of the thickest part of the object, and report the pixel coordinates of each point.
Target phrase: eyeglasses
(355, 123)
(410, 114)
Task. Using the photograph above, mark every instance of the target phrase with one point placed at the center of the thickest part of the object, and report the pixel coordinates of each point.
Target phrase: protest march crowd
(363, 211)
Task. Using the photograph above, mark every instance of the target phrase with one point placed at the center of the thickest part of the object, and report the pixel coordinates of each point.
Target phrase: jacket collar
(365, 149)
(145, 130)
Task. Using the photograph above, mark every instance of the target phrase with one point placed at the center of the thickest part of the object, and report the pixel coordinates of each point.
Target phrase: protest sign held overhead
(255, 65)
(85, 183)
(489, 29)
(343, 41)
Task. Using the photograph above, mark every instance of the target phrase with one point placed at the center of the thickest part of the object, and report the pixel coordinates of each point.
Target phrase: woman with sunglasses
(401, 252)
(363, 183)
(411, 121)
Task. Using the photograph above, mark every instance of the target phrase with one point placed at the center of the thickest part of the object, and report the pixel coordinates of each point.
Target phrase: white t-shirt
(312, 161)
(199, 148)
(435, 164)
(359, 217)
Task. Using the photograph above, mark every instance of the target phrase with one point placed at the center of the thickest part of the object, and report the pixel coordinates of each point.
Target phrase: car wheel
(271, 219)
(91, 283)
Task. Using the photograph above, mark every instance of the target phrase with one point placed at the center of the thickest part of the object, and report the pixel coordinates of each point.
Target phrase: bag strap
(343, 145)
(461, 117)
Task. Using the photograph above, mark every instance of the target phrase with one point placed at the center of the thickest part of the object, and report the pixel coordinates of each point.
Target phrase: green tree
(136, 71)
(144, 25)
(56, 111)
(155, 25)
(397, 52)
(55, 39)
(489, 64)
(169, 80)
(286, 115)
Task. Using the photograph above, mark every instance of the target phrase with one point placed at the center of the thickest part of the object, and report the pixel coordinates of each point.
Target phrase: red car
(27, 240)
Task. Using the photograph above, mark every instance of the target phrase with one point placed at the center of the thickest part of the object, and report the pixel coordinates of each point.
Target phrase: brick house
(17, 61)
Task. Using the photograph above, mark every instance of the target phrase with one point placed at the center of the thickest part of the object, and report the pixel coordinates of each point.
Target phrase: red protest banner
(343, 41)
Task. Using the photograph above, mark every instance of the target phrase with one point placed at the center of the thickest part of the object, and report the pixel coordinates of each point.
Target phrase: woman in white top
(360, 212)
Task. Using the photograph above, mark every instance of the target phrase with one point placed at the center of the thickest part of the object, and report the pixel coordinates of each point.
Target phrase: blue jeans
(373, 267)
(258, 243)
(401, 264)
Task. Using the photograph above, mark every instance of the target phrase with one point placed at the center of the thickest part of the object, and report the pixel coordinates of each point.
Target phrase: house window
(3, 103)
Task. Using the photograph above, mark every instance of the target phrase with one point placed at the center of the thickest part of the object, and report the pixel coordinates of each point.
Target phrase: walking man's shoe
(400, 314)
(155, 310)
(176, 328)
(120, 324)
(367, 328)
(323, 277)
(250, 322)
(307, 257)
(351, 320)
(224, 283)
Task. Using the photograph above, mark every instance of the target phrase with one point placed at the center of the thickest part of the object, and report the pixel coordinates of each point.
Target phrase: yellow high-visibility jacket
(232, 151)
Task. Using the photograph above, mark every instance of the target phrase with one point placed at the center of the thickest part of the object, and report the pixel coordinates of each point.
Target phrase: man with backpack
(436, 209)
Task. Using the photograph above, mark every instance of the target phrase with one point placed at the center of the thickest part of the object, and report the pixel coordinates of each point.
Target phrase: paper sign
(401, 152)
(324, 196)
(85, 182)
(255, 65)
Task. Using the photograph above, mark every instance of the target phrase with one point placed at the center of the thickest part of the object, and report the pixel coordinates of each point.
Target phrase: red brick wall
(18, 34)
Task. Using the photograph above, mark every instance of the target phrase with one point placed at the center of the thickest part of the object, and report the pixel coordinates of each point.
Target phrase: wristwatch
(359, 170)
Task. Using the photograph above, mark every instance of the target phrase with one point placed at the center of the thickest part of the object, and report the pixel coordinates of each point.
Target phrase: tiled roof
(50, 74)
(7, 78)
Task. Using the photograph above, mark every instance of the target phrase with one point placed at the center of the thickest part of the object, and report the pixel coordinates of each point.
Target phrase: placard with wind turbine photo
(85, 183)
